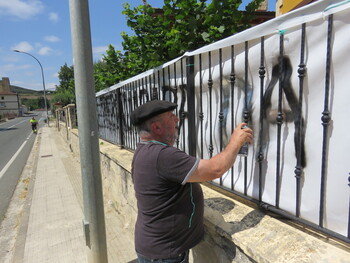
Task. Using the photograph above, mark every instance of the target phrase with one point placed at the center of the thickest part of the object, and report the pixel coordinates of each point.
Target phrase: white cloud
(52, 16)
(52, 39)
(21, 9)
(98, 51)
(9, 68)
(45, 51)
(23, 46)
(51, 86)
(13, 58)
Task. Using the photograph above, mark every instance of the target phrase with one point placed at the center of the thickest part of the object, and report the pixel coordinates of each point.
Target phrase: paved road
(16, 142)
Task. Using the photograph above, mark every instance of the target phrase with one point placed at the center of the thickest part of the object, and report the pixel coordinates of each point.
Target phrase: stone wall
(236, 231)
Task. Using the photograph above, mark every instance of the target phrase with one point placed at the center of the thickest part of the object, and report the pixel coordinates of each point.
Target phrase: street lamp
(42, 74)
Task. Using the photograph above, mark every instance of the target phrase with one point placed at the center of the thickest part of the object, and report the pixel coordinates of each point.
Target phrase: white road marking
(4, 170)
(16, 124)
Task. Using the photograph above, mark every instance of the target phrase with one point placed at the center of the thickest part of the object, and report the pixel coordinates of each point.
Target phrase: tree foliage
(36, 103)
(65, 91)
(160, 35)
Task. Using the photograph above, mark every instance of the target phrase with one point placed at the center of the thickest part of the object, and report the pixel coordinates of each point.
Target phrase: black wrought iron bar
(221, 114)
(299, 169)
(151, 85)
(174, 88)
(175, 85)
(122, 113)
(201, 115)
(169, 84)
(210, 88)
(176, 101)
(107, 115)
(130, 127)
(120, 118)
(154, 87)
(192, 138)
(279, 120)
(112, 123)
(133, 107)
(125, 113)
(326, 119)
(159, 86)
(145, 87)
(262, 77)
(128, 111)
(232, 82)
(134, 86)
(115, 116)
(105, 105)
(246, 112)
(183, 112)
(144, 90)
(150, 88)
(163, 83)
(140, 92)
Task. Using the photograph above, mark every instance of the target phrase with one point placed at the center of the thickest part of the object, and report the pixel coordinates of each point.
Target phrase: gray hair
(144, 128)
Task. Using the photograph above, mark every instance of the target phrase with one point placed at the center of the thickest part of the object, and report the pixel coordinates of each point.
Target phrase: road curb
(29, 171)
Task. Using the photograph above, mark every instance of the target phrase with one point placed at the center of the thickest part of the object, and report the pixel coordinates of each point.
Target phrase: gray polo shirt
(170, 211)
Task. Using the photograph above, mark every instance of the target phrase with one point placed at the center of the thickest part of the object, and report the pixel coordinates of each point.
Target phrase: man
(169, 198)
(34, 124)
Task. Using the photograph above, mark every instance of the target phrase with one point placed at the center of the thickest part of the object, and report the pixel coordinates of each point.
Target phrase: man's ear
(156, 127)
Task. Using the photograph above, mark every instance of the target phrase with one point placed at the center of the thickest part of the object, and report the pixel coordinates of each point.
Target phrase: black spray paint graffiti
(270, 116)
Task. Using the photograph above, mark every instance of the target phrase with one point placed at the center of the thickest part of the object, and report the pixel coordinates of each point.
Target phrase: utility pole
(94, 222)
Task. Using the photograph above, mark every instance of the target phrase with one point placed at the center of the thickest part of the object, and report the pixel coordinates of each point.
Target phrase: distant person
(170, 201)
(34, 124)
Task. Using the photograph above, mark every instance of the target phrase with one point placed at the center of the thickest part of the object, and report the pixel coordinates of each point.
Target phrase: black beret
(150, 109)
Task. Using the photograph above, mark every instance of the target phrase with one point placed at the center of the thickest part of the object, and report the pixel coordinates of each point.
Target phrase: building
(9, 101)
(285, 6)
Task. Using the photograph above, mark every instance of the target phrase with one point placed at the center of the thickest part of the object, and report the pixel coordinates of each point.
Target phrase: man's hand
(242, 135)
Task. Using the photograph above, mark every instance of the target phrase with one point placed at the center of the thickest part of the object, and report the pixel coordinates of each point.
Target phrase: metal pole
(192, 139)
(94, 223)
(42, 76)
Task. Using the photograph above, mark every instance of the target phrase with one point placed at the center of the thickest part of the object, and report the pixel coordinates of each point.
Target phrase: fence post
(192, 138)
(120, 118)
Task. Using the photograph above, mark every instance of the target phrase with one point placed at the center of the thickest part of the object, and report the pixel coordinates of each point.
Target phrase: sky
(42, 29)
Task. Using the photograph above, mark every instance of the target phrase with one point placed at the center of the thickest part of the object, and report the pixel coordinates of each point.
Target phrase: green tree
(160, 35)
(110, 70)
(31, 104)
(66, 77)
(65, 91)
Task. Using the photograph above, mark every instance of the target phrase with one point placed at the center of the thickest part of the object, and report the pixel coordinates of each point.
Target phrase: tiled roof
(7, 93)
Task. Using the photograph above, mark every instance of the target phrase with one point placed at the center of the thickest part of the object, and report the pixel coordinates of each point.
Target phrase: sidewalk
(55, 221)
(51, 228)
